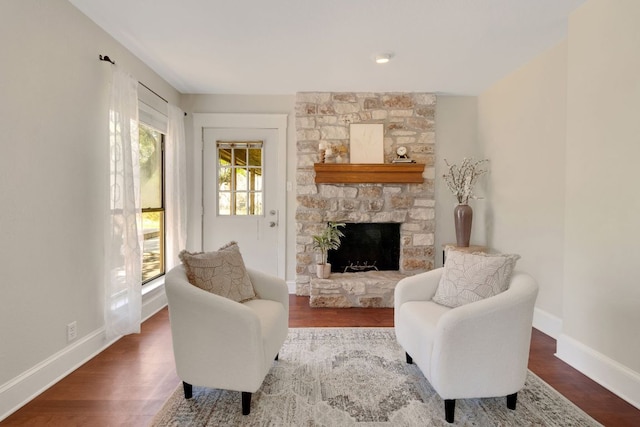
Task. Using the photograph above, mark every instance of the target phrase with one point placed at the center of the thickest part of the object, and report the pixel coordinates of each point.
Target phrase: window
(240, 189)
(152, 201)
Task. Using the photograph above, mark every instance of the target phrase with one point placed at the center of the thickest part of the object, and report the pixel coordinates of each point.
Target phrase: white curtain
(123, 293)
(175, 186)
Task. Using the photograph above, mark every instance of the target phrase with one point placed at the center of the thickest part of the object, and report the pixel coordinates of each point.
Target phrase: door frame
(277, 122)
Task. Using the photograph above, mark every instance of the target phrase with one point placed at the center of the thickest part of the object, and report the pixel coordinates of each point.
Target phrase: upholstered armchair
(224, 344)
(475, 350)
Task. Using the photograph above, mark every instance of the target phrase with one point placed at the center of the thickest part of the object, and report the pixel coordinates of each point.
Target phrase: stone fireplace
(408, 120)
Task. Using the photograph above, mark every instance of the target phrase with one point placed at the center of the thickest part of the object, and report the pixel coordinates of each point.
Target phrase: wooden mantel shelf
(369, 173)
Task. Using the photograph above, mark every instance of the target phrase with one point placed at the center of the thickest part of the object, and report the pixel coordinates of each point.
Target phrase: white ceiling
(456, 47)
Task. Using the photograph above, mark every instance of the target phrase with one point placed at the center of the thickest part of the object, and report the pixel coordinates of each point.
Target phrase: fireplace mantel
(369, 173)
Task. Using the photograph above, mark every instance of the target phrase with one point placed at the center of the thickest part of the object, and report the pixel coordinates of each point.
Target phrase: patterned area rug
(358, 376)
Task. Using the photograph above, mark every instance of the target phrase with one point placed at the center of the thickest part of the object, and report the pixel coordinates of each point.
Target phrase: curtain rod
(111, 61)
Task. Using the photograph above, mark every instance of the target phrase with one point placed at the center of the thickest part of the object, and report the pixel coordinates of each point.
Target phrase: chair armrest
(270, 287)
(494, 333)
(420, 287)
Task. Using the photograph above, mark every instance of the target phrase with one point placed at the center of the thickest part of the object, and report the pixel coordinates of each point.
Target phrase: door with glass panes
(240, 194)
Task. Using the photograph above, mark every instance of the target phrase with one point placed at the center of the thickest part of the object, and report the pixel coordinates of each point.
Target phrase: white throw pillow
(473, 277)
(222, 273)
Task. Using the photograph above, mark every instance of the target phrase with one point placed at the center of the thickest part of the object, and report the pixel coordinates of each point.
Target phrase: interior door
(240, 194)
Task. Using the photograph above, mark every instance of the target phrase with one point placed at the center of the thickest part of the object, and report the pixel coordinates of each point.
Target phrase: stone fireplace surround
(409, 120)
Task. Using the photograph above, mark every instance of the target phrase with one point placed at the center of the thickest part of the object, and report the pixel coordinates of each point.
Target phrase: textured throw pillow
(473, 277)
(222, 273)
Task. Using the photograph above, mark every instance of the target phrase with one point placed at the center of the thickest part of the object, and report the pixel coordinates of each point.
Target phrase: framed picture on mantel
(366, 143)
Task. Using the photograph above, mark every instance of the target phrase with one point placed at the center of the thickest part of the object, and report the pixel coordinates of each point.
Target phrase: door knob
(272, 224)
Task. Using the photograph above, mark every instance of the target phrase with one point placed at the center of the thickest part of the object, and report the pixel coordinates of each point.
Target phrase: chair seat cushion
(472, 277)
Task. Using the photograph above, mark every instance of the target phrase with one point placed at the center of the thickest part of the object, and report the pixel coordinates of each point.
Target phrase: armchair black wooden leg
(188, 390)
(246, 403)
(409, 358)
(277, 354)
(449, 409)
(511, 400)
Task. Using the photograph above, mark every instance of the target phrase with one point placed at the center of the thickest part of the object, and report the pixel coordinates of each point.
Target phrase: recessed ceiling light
(383, 58)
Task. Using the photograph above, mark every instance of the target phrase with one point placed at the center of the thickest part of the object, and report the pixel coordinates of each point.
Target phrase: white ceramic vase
(323, 271)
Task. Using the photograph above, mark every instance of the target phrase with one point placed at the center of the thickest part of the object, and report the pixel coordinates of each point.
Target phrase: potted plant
(329, 238)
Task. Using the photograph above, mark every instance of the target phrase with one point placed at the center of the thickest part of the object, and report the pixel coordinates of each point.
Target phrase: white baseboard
(20, 390)
(610, 374)
(547, 323)
(153, 302)
(291, 284)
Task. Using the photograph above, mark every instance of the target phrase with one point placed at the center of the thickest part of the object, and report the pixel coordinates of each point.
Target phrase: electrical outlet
(72, 331)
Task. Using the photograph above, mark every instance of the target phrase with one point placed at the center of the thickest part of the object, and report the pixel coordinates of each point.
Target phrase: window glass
(152, 201)
(240, 187)
(150, 167)
(255, 157)
(153, 245)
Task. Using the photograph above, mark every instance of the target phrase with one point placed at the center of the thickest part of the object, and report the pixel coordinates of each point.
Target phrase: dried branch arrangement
(461, 179)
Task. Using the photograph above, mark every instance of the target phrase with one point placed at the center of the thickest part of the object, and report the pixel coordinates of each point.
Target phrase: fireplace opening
(366, 247)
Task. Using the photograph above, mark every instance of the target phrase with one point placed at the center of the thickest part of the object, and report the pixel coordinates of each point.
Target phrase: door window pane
(255, 175)
(240, 186)
(224, 156)
(224, 179)
(240, 157)
(224, 203)
(241, 204)
(241, 179)
(255, 157)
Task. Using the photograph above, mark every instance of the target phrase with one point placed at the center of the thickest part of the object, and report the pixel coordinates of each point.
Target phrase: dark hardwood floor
(126, 384)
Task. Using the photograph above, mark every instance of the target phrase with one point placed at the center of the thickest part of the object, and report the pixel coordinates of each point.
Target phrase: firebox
(366, 247)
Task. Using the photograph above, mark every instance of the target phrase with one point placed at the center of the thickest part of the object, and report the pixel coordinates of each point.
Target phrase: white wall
(601, 286)
(456, 130)
(521, 130)
(53, 180)
(562, 135)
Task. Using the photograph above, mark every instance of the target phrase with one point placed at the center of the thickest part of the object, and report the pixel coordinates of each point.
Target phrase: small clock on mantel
(401, 155)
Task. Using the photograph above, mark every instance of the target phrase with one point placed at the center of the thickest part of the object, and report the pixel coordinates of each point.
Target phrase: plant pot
(463, 216)
(323, 271)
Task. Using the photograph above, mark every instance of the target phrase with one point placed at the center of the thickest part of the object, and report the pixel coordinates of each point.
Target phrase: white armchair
(220, 343)
(476, 350)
